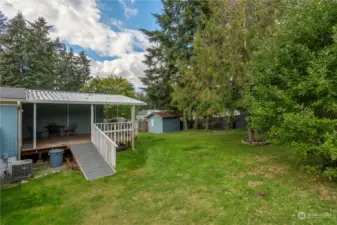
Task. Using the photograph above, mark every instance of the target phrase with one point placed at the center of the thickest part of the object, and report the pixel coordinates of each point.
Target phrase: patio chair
(53, 130)
(71, 129)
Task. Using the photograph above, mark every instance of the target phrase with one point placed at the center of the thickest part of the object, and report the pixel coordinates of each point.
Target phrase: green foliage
(171, 51)
(331, 173)
(294, 77)
(112, 85)
(30, 59)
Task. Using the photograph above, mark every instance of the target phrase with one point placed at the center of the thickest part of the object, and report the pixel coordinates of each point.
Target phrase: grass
(180, 178)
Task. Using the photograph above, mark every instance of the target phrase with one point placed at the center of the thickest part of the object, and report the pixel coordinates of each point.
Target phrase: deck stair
(90, 161)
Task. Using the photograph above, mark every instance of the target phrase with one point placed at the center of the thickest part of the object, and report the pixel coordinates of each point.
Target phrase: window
(152, 122)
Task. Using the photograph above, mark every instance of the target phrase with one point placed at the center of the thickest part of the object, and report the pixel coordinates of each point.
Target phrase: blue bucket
(56, 157)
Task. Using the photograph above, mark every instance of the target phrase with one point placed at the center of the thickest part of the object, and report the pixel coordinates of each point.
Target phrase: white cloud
(78, 23)
(130, 67)
(116, 23)
(128, 11)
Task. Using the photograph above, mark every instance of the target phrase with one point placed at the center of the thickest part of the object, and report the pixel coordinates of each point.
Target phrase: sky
(107, 30)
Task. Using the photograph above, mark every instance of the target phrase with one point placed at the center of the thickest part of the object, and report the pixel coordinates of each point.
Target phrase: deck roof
(50, 96)
(45, 96)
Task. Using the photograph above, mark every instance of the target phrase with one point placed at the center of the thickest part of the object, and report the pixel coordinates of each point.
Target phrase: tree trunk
(251, 132)
(185, 120)
(196, 121)
(250, 135)
(206, 126)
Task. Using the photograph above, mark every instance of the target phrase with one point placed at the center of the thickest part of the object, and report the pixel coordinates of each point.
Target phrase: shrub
(294, 96)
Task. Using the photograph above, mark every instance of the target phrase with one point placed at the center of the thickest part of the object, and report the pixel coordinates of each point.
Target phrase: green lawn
(179, 178)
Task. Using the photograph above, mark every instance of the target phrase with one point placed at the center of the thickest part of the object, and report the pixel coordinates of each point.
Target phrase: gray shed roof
(44, 96)
(12, 93)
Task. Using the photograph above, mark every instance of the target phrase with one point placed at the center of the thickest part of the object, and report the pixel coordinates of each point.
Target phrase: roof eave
(12, 100)
(84, 102)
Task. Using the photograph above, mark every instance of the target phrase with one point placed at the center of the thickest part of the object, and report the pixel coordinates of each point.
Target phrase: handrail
(119, 132)
(99, 130)
(105, 146)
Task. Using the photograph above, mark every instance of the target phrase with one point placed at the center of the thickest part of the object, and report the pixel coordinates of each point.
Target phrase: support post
(67, 115)
(91, 120)
(34, 125)
(133, 115)
(19, 129)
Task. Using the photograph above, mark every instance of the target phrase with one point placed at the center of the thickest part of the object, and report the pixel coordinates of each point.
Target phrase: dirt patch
(220, 132)
(254, 183)
(238, 175)
(326, 193)
(269, 172)
(260, 193)
(261, 159)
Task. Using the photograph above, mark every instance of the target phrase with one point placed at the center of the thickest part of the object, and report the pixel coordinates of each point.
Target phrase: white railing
(119, 132)
(105, 146)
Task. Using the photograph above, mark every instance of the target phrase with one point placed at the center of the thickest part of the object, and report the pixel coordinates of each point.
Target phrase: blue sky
(107, 30)
(142, 20)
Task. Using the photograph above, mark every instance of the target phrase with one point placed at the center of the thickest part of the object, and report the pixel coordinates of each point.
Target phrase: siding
(171, 124)
(8, 130)
(158, 124)
(57, 113)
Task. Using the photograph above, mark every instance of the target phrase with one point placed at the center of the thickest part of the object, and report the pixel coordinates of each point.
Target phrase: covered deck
(45, 144)
(75, 121)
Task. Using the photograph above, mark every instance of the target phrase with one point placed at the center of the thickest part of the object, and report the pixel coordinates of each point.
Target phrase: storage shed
(163, 122)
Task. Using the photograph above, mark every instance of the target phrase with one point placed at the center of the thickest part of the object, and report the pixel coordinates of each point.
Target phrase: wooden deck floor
(43, 145)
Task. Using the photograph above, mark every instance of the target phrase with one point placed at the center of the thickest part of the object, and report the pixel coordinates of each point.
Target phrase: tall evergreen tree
(73, 70)
(157, 78)
(172, 51)
(82, 71)
(3, 28)
(227, 38)
(13, 62)
(3, 23)
(29, 58)
(41, 58)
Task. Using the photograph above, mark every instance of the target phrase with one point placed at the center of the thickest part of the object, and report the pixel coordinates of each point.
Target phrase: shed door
(8, 130)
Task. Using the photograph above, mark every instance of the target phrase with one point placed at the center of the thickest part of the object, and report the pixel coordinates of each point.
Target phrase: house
(162, 122)
(27, 116)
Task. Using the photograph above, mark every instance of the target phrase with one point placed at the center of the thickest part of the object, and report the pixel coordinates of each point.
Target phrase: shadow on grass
(193, 148)
(131, 160)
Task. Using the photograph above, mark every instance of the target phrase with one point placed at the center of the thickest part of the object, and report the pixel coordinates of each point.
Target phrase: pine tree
(157, 79)
(172, 52)
(29, 58)
(223, 49)
(13, 58)
(3, 29)
(3, 23)
(82, 71)
(40, 62)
